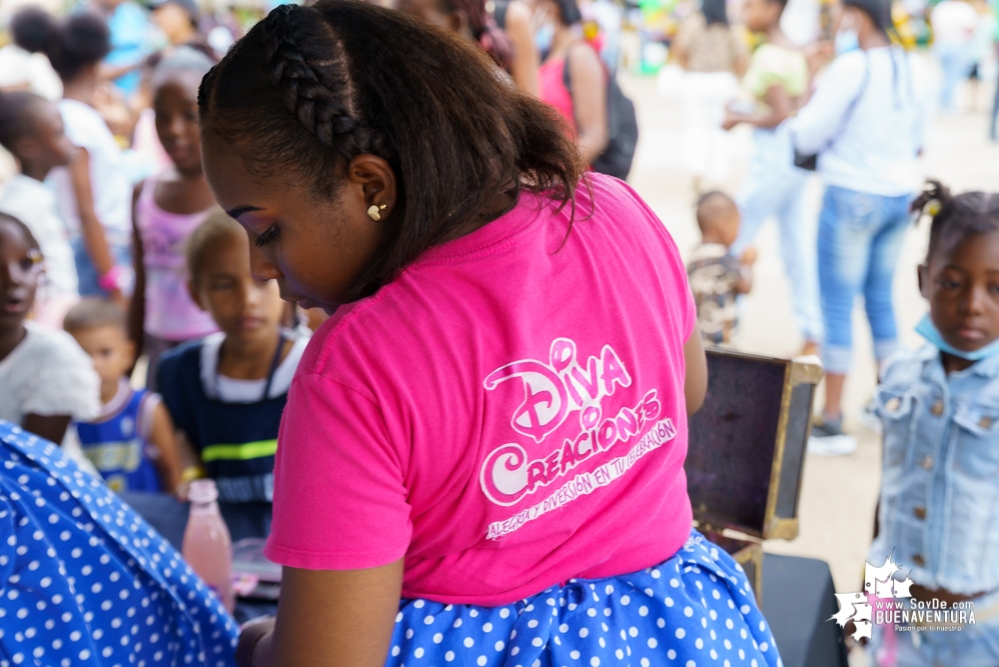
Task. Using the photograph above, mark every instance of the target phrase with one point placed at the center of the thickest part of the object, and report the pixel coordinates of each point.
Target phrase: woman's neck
(776, 37)
(10, 339)
(564, 38)
(242, 359)
(80, 89)
(872, 39)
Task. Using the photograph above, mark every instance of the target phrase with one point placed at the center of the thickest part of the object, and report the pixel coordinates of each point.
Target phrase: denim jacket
(939, 507)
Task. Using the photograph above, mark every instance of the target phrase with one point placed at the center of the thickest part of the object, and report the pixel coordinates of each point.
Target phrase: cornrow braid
(302, 88)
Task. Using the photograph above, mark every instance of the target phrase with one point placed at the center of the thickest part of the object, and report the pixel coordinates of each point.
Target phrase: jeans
(956, 61)
(860, 237)
(775, 187)
(995, 115)
(122, 254)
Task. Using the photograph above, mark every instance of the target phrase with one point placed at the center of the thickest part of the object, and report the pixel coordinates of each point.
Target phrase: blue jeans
(87, 274)
(775, 187)
(860, 236)
(995, 116)
(956, 61)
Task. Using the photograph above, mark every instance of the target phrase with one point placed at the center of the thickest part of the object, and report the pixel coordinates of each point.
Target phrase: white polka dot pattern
(696, 608)
(85, 581)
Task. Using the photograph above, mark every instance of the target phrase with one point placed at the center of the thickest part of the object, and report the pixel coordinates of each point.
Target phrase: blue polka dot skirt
(85, 581)
(694, 609)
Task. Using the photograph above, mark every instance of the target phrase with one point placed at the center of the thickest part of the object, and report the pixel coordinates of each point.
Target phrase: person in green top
(777, 79)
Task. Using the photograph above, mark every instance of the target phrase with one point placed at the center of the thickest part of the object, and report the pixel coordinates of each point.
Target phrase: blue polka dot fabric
(695, 609)
(85, 581)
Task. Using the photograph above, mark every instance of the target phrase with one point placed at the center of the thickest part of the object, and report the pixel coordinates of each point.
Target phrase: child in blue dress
(940, 409)
(131, 442)
(85, 581)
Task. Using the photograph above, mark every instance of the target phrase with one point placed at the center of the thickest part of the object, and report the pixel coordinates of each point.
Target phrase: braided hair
(312, 87)
(955, 218)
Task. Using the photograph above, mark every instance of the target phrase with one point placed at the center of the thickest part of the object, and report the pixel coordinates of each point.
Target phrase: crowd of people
(423, 184)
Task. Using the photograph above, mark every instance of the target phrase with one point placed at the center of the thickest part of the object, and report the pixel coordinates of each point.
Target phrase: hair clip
(933, 207)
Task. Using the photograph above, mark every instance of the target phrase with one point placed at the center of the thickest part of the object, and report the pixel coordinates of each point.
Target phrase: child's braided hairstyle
(311, 87)
(955, 218)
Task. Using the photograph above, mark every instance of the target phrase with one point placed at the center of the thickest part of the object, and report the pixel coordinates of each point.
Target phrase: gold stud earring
(375, 211)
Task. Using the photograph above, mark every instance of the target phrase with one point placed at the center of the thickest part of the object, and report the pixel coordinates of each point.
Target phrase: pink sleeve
(339, 497)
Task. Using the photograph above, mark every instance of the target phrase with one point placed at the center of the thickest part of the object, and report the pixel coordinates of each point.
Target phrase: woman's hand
(818, 55)
(250, 634)
(731, 120)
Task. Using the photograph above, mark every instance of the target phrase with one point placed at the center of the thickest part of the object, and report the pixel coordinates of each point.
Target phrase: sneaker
(828, 439)
(869, 419)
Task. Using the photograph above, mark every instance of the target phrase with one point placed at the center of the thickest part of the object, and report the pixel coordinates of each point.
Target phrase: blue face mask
(543, 39)
(929, 331)
(846, 41)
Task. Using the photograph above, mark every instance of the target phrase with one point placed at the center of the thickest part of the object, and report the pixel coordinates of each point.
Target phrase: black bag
(622, 129)
(810, 161)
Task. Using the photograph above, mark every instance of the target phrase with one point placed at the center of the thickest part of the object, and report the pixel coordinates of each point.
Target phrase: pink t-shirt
(506, 414)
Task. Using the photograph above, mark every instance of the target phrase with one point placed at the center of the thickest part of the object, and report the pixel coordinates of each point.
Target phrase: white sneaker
(828, 439)
(869, 419)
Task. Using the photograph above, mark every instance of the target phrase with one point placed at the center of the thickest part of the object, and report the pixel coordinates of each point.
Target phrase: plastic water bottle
(207, 547)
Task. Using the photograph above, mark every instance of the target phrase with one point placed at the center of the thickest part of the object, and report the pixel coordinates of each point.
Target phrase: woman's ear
(923, 275)
(373, 183)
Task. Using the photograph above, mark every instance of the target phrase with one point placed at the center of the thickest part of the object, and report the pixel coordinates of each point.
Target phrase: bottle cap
(202, 491)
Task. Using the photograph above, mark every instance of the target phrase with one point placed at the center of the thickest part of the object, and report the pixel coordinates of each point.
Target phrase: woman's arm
(779, 102)
(329, 619)
(50, 427)
(161, 436)
(137, 304)
(90, 225)
(589, 101)
(525, 54)
(821, 119)
(695, 384)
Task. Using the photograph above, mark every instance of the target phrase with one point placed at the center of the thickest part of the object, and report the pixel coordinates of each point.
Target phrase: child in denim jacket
(939, 505)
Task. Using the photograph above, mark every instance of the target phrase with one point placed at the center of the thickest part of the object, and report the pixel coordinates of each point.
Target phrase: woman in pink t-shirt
(481, 459)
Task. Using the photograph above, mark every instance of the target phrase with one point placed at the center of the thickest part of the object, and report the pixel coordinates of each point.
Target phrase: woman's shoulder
(84, 125)
(50, 346)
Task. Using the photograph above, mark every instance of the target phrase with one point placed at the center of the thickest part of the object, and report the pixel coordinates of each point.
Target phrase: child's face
(241, 306)
(760, 15)
(49, 146)
(20, 266)
(175, 101)
(963, 291)
(174, 21)
(110, 348)
(314, 247)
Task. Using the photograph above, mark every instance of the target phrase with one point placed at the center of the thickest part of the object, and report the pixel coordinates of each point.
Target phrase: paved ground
(838, 494)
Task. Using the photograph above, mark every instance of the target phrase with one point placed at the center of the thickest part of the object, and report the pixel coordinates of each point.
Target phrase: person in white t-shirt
(954, 24)
(46, 380)
(94, 193)
(31, 128)
(22, 67)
